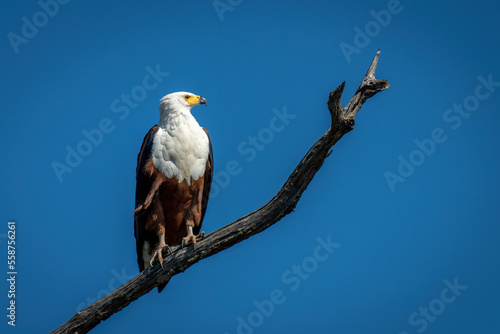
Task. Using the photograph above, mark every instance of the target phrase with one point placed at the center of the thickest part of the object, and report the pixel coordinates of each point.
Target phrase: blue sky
(409, 198)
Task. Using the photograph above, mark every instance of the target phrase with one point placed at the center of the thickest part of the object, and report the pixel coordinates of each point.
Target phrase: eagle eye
(186, 97)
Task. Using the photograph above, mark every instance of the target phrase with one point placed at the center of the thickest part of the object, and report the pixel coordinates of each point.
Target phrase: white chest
(181, 150)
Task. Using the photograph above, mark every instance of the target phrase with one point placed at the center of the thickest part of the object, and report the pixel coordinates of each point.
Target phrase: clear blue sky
(409, 199)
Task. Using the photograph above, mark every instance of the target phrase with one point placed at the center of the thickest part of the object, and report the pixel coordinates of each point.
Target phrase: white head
(179, 103)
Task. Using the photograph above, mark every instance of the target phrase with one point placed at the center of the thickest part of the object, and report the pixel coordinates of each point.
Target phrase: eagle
(174, 175)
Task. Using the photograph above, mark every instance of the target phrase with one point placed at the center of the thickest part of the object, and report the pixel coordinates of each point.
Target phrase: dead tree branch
(255, 222)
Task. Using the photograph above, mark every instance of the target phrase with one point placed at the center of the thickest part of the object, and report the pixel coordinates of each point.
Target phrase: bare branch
(255, 222)
(368, 87)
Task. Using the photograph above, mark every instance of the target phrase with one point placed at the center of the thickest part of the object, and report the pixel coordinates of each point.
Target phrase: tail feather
(162, 286)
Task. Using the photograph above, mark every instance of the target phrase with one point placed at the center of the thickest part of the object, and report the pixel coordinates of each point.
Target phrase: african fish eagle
(174, 174)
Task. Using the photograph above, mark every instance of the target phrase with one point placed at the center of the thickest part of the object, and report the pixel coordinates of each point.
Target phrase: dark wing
(143, 186)
(209, 173)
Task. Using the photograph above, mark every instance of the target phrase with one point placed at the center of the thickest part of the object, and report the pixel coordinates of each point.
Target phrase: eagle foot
(159, 254)
(191, 239)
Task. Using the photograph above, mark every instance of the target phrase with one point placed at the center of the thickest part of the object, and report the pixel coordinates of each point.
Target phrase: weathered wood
(255, 222)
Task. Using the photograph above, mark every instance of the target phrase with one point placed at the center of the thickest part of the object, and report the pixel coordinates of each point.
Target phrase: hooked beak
(202, 100)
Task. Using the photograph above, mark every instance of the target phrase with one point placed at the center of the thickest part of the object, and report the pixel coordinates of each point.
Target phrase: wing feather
(209, 173)
(144, 183)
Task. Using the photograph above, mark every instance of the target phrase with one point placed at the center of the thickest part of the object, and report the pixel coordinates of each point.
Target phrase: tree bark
(257, 221)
